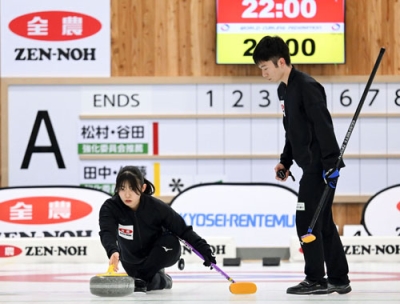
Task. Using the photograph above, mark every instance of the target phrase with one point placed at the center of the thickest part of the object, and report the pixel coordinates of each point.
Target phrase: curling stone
(112, 284)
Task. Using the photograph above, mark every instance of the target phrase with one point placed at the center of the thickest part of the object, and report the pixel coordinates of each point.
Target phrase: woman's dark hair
(271, 48)
(134, 177)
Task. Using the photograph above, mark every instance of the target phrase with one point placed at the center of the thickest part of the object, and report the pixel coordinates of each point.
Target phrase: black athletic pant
(166, 252)
(327, 248)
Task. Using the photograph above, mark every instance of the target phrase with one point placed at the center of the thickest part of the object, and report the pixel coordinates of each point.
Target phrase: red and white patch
(125, 232)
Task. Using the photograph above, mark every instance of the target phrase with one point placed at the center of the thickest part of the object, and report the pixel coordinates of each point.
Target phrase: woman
(140, 231)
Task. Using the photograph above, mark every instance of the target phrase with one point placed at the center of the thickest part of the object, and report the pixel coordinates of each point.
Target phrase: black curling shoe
(166, 279)
(308, 287)
(340, 289)
(140, 285)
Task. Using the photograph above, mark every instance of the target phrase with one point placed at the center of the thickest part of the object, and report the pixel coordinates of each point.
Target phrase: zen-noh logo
(55, 26)
(9, 251)
(42, 210)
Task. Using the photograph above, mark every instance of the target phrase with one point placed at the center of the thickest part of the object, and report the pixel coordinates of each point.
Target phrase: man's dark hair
(271, 48)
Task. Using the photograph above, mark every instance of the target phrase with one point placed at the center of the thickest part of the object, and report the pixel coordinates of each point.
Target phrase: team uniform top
(305, 109)
(132, 233)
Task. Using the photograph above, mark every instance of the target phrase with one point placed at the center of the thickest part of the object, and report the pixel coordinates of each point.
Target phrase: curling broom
(235, 287)
(309, 237)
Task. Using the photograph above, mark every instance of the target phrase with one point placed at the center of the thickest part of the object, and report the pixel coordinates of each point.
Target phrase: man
(311, 143)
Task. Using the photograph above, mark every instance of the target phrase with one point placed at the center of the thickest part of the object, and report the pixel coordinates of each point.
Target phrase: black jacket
(132, 233)
(310, 137)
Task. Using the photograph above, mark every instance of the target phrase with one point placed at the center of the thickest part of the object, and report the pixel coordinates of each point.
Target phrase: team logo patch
(125, 232)
(283, 107)
(300, 206)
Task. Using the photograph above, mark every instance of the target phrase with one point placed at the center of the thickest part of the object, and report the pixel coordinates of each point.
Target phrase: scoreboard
(313, 29)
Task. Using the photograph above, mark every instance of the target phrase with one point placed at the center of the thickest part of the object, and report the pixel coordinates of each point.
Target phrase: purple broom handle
(212, 264)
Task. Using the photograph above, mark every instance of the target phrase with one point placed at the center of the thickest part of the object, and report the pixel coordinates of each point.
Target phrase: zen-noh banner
(50, 211)
(47, 38)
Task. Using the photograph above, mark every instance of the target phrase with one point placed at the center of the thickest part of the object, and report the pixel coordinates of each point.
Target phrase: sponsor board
(222, 247)
(50, 211)
(381, 214)
(52, 250)
(360, 249)
(255, 215)
(55, 38)
(87, 250)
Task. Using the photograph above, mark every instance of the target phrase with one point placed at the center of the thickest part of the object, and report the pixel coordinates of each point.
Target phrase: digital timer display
(313, 29)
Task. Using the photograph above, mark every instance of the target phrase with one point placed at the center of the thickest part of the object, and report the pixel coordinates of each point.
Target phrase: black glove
(282, 174)
(207, 254)
(331, 177)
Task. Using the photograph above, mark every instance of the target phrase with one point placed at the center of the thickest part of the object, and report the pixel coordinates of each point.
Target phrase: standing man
(311, 143)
